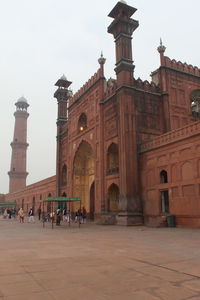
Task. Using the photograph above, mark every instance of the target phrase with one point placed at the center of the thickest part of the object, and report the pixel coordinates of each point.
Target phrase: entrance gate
(83, 177)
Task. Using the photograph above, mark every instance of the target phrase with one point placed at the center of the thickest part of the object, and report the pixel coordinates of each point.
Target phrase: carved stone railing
(171, 137)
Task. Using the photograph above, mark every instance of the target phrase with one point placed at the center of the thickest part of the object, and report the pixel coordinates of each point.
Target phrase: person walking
(5, 214)
(58, 216)
(9, 212)
(21, 215)
(68, 216)
(31, 218)
(14, 213)
(76, 216)
(64, 214)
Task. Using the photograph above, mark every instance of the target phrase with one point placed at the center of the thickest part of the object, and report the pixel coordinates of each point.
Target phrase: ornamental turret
(62, 94)
(161, 49)
(122, 28)
(102, 61)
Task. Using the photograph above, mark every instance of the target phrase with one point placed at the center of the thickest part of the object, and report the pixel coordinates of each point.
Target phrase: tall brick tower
(122, 28)
(19, 146)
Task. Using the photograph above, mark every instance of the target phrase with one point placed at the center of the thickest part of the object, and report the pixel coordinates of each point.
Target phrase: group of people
(68, 216)
(21, 215)
(9, 213)
(57, 215)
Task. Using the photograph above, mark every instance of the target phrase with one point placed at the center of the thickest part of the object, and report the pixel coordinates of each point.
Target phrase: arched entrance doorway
(83, 176)
(113, 198)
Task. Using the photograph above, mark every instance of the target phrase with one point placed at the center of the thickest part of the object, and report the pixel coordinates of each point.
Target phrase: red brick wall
(178, 81)
(2, 197)
(37, 191)
(177, 152)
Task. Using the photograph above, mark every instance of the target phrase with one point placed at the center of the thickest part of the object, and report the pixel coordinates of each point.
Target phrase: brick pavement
(98, 262)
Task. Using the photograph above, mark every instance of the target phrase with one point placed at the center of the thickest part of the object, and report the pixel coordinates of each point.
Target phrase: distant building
(129, 148)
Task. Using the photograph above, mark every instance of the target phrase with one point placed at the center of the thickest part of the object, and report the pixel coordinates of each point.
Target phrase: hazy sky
(42, 39)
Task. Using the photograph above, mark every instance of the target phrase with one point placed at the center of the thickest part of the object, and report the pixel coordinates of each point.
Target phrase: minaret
(130, 206)
(62, 94)
(122, 28)
(19, 146)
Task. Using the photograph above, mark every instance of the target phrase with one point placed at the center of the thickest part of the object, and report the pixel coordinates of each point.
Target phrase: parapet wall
(172, 136)
(146, 85)
(86, 86)
(183, 67)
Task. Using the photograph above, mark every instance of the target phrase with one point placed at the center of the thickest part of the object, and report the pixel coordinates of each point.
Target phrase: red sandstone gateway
(129, 148)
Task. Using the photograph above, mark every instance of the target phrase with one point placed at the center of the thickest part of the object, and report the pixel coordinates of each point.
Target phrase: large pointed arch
(83, 173)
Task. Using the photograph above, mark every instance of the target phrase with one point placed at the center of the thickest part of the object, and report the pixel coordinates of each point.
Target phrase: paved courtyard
(98, 262)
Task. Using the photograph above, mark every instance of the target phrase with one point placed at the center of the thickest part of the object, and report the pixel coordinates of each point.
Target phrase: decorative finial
(22, 99)
(161, 49)
(63, 77)
(101, 60)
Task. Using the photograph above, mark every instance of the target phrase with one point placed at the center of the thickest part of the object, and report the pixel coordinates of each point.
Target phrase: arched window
(82, 122)
(163, 177)
(112, 159)
(64, 175)
(195, 103)
(113, 198)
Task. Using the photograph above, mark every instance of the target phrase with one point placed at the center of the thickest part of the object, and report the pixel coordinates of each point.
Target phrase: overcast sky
(42, 39)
